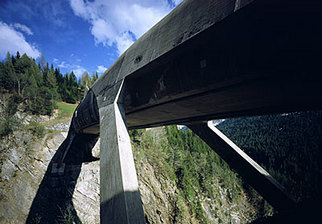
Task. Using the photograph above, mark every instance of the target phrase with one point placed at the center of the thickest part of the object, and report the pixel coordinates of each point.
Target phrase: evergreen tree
(20, 76)
(18, 55)
(7, 74)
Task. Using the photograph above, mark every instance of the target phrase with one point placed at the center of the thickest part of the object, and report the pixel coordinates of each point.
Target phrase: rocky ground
(24, 159)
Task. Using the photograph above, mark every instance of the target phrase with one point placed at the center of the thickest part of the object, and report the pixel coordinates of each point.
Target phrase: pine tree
(7, 74)
(20, 76)
(18, 55)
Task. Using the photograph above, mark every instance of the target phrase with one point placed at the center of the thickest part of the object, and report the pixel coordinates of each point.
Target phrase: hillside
(287, 145)
(193, 185)
(168, 166)
(181, 179)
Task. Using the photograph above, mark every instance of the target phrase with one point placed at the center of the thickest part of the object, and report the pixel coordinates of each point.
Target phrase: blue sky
(77, 35)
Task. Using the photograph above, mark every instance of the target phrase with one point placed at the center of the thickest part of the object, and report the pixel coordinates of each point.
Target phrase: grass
(65, 109)
(65, 113)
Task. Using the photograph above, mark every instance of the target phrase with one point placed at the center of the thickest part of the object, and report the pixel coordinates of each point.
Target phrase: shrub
(8, 125)
(37, 130)
(13, 103)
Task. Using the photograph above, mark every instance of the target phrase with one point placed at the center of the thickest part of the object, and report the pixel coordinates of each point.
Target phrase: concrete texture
(207, 60)
(119, 191)
(226, 59)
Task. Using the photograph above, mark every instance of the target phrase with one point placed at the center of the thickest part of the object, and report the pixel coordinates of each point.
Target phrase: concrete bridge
(208, 59)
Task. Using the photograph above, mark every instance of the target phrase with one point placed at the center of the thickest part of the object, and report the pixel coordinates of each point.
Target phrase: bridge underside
(264, 58)
(205, 61)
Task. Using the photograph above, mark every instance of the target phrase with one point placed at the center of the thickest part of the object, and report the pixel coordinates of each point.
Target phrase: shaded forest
(287, 145)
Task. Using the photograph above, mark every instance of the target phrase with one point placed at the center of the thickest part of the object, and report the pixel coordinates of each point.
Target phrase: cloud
(78, 71)
(63, 64)
(56, 60)
(120, 23)
(23, 28)
(12, 41)
(176, 2)
(101, 69)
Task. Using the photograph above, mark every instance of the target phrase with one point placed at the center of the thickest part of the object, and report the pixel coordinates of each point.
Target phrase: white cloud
(119, 23)
(23, 28)
(63, 64)
(101, 69)
(56, 60)
(78, 71)
(177, 2)
(12, 41)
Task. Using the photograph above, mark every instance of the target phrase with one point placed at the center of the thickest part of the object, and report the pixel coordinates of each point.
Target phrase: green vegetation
(8, 125)
(39, 87)
(8, 122)
(38, 90)
(67, 216)
(288, 146)
(65, 109)
(37, 130)
(196, 170)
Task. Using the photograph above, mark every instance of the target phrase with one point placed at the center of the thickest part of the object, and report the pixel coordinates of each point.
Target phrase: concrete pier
(119, 192)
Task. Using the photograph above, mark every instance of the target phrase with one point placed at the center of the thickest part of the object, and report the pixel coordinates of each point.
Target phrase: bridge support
(253, 173)
(119, 192)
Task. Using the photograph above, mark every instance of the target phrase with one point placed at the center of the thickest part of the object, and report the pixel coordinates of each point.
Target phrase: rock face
(86, 196)
(25, 158)
(23, 164)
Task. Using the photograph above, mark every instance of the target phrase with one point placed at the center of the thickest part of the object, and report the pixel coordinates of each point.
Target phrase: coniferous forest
(39, 86)
(287, 145)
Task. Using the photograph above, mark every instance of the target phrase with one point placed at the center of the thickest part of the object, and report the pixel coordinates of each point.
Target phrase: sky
(77, 35)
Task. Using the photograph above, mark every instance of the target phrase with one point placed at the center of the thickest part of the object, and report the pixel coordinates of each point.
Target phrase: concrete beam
(248, 169)
(215, 59)
(119, 191)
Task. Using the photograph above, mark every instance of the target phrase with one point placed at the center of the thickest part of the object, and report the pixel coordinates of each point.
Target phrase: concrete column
(248, 169)
(119, 191)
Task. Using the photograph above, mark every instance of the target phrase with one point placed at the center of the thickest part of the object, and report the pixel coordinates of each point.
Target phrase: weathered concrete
(209, 60)
(119, 191)
(253, 173)
(220, 62)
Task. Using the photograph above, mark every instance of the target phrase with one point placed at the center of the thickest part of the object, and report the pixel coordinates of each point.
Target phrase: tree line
(39, 86)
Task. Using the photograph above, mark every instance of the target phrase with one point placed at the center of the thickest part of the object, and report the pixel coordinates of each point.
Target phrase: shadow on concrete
(53, 201)
(114, 208)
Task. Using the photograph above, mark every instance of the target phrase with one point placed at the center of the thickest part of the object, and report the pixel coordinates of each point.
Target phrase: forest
(39, 86)
(287, 145)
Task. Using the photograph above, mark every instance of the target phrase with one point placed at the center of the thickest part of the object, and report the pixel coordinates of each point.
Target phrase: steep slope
(24, 160)
(288, 145)
(177, 187)
(181, 180)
